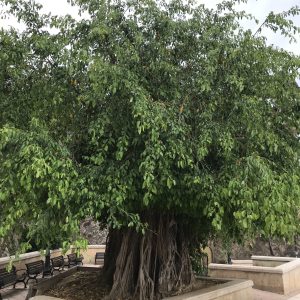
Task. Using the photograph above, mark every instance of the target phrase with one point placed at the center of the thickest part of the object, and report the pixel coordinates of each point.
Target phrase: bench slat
(99, 256)
(35, 268)
(73, 259)
(7, 278)
(10, 277)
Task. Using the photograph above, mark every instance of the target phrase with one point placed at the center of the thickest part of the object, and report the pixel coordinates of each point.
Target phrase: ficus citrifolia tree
(165, 120)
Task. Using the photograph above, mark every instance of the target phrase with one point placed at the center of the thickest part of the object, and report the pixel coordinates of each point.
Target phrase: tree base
(150, 266)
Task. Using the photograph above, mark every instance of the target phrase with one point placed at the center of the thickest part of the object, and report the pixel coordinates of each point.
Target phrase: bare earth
(81, 285)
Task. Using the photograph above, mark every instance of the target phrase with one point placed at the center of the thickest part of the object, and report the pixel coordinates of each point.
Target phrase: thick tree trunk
(149, 266)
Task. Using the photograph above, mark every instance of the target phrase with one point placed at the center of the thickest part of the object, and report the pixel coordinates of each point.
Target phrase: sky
(259, 8)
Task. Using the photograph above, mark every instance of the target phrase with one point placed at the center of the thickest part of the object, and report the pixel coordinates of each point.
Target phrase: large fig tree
(165, 120)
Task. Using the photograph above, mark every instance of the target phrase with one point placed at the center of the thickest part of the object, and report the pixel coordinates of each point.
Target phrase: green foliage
(147, 105)
(198, 260)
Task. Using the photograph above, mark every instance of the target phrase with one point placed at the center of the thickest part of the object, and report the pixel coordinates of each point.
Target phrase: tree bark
(150, 266)
(271, 248)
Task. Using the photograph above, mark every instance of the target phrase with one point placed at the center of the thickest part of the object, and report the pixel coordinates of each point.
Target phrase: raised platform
(275, 274)
(219, 290)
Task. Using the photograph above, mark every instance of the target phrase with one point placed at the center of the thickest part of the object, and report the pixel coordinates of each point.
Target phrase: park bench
(74, 260)
(99, 256)
(11, 277)
(57, 263)
(34, 269)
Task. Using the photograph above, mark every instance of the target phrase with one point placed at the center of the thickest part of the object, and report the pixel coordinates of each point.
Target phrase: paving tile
(297, 297)
(264, 295)
(14, 294)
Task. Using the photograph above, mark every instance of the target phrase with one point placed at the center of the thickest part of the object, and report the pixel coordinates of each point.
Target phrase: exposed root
(150, 266)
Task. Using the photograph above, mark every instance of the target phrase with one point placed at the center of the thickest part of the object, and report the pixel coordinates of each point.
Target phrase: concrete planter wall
(270, 261)
(274, 274)
(89, 256)
(230, 290)
(45, 284)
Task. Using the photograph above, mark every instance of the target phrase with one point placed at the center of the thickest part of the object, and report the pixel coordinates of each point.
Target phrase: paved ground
(262, 295)
(14, 294)
(20, 294)
(295, 297)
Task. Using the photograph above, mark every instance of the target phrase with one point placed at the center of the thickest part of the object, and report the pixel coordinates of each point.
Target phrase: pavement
(14, 294)
(296, 297)
(263, 295)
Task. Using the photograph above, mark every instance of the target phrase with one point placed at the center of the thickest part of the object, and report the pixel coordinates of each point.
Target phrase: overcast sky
(259, 8)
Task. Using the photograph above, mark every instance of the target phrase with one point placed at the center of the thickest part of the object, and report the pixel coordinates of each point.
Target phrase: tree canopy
(160, 107)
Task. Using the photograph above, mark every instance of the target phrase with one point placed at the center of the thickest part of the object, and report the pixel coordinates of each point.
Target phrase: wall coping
(287, 267)
(257, 269)
(241, 261)
(7, 259)
(96, 246)
(272, 258)
(281, 269)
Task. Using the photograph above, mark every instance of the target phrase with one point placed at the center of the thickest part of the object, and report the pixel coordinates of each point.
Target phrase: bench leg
(21, 281)
(35, 278)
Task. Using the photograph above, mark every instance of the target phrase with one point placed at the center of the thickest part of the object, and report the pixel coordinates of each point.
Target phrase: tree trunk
(149, 266)
(271, 248)
(47, 262)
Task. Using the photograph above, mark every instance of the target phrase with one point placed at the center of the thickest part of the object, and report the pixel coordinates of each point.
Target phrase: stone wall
(258, 246)
(88, 256)
(93, 232)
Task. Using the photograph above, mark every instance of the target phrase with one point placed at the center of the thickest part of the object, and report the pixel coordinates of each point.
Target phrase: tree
(166, 121)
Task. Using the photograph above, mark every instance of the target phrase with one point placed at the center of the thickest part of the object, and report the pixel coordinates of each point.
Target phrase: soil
(89, 286)
(81, 285)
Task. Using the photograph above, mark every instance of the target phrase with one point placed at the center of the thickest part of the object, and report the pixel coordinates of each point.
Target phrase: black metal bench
(74, 260)
(34, 269)
(57, 263)
(99, 256)
(11, 277)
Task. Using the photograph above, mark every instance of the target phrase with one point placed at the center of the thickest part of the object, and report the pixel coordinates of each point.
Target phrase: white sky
(259, 8)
